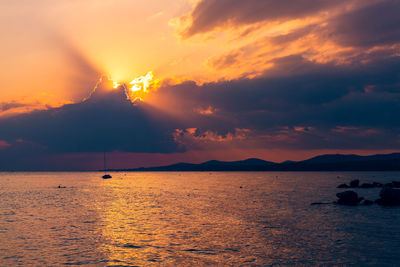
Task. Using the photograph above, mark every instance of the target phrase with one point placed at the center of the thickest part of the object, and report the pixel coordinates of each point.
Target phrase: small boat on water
(106, 176)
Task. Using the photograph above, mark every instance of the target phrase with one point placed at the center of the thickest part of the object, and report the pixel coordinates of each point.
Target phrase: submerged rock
(348, 198)
(343, 186)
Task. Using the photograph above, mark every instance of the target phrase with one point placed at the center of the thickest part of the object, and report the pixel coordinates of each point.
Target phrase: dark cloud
(367, 23)
(300, 93)
(107, 121)
(210, 14)
(372, 25)
(292, 36)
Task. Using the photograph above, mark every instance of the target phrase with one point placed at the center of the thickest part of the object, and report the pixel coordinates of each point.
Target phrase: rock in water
(354, 183)
(389, 197)
(348, 198)
(343, 186)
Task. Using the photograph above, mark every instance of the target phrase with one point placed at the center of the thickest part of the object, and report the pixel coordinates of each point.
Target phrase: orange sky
(44, 44)
(48, 45)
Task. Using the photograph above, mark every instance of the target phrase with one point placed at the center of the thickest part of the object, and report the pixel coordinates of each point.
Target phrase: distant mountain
(352, 158)
(213, 165)
(338, 162)
(332, 162)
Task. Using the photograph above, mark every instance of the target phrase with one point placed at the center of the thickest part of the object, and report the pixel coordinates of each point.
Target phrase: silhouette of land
(333, 162)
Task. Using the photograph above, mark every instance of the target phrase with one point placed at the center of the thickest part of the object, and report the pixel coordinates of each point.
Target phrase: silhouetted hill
(334, 162)
(352, 158)
(338, 162)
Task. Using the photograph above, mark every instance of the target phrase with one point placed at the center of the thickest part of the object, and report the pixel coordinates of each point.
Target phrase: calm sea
(193, 219)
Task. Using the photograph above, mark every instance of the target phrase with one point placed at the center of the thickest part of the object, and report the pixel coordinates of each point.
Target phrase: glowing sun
(139, 87)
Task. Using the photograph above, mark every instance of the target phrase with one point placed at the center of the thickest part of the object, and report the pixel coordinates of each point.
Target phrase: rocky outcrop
(349, 198)
(389, 194)
(389, 197)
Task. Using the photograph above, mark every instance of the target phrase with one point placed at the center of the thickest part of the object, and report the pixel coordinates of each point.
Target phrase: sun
(139, 87)
(142, 83)
(115, 84)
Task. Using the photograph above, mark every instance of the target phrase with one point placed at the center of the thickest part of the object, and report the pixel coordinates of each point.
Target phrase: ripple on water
(131, 246)
(201, 251)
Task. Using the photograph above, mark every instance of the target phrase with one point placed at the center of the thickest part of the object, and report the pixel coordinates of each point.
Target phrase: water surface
(243, 218)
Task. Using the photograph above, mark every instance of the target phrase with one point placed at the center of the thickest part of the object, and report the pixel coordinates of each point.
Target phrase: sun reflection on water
(147, 220)
(130, 223)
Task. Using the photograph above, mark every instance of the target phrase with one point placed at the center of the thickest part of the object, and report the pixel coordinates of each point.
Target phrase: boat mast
(105, 169)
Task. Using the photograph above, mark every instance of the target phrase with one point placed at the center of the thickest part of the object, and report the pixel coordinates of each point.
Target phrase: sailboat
(106, 176)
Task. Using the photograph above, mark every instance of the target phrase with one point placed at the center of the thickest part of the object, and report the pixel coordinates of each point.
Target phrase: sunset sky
(195, 80)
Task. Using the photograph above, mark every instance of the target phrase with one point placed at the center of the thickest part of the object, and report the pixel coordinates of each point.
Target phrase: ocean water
(186, 219)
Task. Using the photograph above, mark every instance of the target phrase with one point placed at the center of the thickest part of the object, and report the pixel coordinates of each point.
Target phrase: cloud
(155, 16)
(12, 108)
(107, 121)
(371, 25)
(297, 104)
(340, 32)
(5, 106)
(208, 15)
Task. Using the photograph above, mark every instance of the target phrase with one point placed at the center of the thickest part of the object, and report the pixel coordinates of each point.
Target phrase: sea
(193, 219)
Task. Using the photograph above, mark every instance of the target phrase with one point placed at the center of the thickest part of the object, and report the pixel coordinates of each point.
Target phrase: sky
(154, 82)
